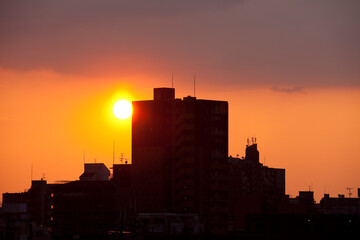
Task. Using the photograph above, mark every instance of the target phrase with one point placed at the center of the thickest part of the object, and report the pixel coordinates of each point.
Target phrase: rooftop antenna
(113, 152)
(349, 189)
(31, 172)
(172, 80)
(194, 85)
(122, 157)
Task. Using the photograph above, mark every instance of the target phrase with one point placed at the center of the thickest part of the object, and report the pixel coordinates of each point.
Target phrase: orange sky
(313, 134)
(289, 70)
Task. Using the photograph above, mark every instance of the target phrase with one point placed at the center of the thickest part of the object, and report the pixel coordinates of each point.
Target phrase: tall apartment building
(253, 187)
(179, 156)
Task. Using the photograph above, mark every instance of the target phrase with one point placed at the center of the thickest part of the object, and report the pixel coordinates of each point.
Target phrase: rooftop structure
(95, 172)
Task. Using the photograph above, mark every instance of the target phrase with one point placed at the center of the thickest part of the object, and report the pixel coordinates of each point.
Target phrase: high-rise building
(179, 156)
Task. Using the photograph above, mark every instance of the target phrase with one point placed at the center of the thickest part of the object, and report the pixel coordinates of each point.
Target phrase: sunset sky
(290, 71)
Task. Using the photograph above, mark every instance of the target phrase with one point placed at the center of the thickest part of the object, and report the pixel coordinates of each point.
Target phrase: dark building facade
(340, 205)
(253, 187)
(83, 209)
(179, 155)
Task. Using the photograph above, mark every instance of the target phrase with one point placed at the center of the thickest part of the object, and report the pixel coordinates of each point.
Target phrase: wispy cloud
(288, 89)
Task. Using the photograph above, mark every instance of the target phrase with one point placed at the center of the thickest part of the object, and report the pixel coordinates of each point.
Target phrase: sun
(122, 109)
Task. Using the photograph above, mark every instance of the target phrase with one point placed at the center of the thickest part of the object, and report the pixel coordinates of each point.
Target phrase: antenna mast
(113, 152)
(194, 84)
(172, 80)
(122, 158)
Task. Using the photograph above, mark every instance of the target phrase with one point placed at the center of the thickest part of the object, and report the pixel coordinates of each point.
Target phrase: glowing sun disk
(122, 109)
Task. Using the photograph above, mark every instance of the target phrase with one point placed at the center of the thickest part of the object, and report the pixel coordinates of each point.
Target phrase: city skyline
(288, 70)
(181, 183)
(107, 158)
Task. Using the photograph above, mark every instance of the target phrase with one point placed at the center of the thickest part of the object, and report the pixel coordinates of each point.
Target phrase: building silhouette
(95, 172)
(253, 187)
(83, 209)
(180, 149)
